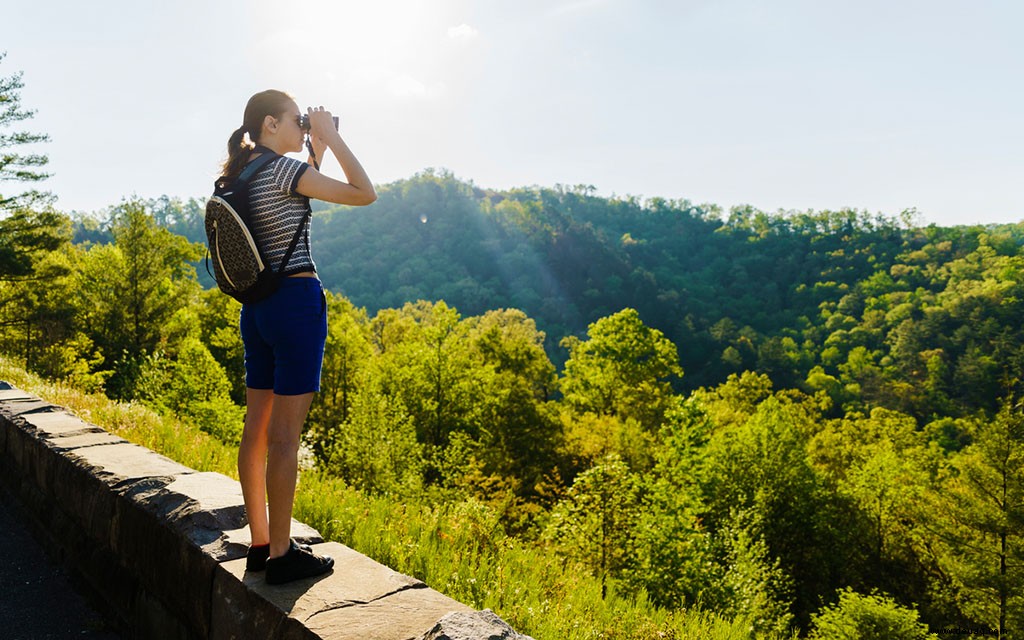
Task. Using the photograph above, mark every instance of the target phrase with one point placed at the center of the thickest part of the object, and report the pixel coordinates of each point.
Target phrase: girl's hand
(321, 126)
(313, 184)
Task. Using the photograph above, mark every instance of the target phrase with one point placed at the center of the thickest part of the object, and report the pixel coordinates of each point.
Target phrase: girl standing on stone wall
(284, 334)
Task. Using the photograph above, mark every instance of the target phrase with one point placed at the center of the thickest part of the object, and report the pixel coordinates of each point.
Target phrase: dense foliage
(789, 423)
(920, 319)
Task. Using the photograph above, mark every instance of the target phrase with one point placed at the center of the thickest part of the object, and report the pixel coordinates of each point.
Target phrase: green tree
(429, 369)
(136, 293)
(594, 524)
(375, 449)
(348, 353)
(218, 323)
(878, 468)
(35, 300)
(623, 369)
(760, 468)
(509, 340)
(731, 403)
(30, 230)
(868, 617)
(15, 166)
(425, 361)
(26, 236)
(675, 562)
(979, 511)
(191, 384)
(753, 585)
(520, 434)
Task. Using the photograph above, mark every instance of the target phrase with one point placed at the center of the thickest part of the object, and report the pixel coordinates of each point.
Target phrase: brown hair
(270, 102)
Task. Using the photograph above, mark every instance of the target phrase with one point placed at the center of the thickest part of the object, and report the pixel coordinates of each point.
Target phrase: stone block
(202, 507)
(30, 430)
(118, 464)
(405, 615)
(53, 424)
(164, 546)
(65, 532)
(87, 500)
(152, 620)
(167, 566)
(355, 579)
(105, 575)
(13, 450)
(89, 480)
(36, 503)
(5, 426)
(30, 404)
(43, 450)
(244, 603)
(241, 612)
(9, 393)
(177, 526)
(21, 453)
(84, 439)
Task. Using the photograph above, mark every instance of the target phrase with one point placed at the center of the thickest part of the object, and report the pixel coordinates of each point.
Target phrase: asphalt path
(38, 598)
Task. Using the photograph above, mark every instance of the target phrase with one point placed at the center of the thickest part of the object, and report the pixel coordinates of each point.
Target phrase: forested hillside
(792, 422)
(921, 319)
(871, 308)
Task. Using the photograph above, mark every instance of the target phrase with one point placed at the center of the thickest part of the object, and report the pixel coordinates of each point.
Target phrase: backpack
(239, 267)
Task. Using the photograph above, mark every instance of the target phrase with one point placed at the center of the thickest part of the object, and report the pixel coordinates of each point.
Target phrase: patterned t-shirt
(277, 210)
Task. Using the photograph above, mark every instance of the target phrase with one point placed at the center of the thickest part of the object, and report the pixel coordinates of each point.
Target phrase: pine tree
(14, 166)
(29, 231)
(27, 227)
(980, 523)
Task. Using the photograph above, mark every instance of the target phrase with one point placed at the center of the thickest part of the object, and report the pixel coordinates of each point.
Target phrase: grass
(455, 548)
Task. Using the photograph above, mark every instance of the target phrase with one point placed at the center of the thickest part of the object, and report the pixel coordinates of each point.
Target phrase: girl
(284, 334)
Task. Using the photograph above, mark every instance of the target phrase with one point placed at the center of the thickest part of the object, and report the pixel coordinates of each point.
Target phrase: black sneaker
(256, 557)
(298, 563)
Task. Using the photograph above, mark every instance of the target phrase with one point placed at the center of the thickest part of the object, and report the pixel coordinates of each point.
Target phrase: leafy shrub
(375, 450)
(868, 617)
(192, 385)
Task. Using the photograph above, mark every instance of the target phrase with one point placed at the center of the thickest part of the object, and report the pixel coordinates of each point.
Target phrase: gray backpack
(239, 267)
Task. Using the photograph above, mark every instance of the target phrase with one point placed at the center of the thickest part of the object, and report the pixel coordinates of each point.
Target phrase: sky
(879, 106)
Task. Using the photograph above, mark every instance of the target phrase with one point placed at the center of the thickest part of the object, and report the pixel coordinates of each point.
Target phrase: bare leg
(252, 462)
(286, 419)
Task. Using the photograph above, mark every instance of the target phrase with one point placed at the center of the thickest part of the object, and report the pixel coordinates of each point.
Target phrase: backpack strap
(295, 241)
(266, 155)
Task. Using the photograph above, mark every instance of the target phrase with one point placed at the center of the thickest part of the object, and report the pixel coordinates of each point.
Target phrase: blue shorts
(284, 338)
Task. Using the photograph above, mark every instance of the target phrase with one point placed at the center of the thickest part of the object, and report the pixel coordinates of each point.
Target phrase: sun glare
(399, 49)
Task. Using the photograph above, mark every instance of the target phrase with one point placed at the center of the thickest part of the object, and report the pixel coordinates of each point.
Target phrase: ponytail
(239, 151)
(240, 145)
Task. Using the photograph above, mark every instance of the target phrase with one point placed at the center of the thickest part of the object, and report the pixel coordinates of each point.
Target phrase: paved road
(38, 600)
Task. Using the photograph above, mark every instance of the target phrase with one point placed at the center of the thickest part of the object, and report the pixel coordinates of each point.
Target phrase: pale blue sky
(879, 106)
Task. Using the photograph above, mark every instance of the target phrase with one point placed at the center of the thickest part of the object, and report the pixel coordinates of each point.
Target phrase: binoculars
(304, 124)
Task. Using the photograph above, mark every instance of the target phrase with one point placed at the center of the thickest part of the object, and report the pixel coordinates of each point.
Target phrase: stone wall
(164, 545)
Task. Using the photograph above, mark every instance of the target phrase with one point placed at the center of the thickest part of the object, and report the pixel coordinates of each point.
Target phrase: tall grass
(456, 548)
(132, 421)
